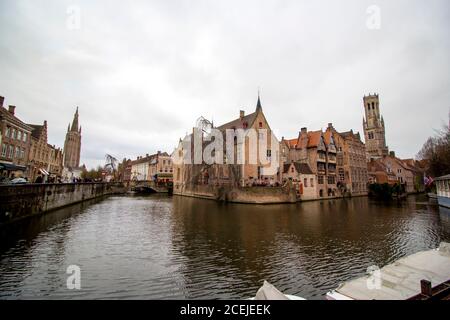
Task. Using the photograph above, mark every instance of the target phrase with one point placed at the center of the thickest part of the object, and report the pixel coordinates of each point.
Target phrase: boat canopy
(401, 279)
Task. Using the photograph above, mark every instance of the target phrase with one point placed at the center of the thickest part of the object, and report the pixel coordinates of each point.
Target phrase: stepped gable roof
(36, 130)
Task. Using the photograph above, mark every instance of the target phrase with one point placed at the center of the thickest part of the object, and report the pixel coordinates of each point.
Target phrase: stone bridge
(151, 187)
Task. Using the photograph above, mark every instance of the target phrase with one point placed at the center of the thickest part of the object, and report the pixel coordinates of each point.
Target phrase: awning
(44, 172)
(11, 167)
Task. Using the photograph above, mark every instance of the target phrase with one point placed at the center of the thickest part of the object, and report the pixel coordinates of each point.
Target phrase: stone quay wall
(251, 195)
(19, 201)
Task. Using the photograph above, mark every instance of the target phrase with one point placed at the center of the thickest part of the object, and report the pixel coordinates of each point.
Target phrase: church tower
(72, 145)
(373, 125)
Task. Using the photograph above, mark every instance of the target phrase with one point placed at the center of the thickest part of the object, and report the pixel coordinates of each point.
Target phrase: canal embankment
(244, 195)
(20, 201)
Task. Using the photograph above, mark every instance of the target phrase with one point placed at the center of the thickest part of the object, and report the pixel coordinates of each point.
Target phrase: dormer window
(260, 124)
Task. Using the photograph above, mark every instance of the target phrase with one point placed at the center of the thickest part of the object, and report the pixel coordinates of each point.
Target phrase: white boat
(401, 280)
(269, 292)
(443, 190)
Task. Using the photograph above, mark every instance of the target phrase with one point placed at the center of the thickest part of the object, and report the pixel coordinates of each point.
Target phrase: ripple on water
(174, 248)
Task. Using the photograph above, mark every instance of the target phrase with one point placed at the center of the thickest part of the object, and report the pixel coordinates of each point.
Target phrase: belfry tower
(72, 145)
(374, 132)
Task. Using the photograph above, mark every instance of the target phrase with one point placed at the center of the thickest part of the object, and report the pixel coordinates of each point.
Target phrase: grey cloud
(143, 72)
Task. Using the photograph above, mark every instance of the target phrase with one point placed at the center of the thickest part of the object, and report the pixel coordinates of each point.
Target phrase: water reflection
(161, 248)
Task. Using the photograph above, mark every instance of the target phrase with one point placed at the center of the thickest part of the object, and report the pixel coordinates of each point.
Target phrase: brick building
(156, 167)
(15, 143)
(374, 131)
(232, 172)
(390, 169)
(351, 161)
(303, 179)
(161, 169)
(43, 157)
(320, 153)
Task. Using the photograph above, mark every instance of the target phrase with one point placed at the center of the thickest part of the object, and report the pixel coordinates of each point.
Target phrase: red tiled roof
(314, 138)
(292, 143)
(37, 130)
(327, 137)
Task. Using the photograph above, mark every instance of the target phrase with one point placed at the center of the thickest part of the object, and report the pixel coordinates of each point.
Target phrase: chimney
(45, 123)
(304, 130)
(159, 152)
(392, 154)
(241, 114)
(12, 109)
(330, 125)
(2, 99)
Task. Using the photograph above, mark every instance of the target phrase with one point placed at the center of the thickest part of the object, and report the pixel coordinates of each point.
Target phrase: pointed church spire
(258, 104)
(75, 122)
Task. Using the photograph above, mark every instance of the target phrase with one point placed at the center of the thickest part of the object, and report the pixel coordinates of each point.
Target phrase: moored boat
(443, 190)
(269, 292)
(420, 276)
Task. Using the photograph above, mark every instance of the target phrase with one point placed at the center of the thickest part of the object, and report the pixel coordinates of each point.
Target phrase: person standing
(39, 179)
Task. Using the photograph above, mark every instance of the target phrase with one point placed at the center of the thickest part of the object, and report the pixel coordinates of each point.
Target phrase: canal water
(159, 247)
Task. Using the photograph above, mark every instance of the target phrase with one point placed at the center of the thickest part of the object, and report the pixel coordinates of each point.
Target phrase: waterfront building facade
(160, 167)
(390, 169)
(302, 178)
(379, 173)
(320, 153)
(15, 144)
(352, 173)
(72, 144)
(202, 179)
(419, 172)
(374, 131)
(43, 157)
(156, 167)
(140, 168)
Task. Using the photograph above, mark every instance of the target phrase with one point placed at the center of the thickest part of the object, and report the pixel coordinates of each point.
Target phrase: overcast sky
(142, 72)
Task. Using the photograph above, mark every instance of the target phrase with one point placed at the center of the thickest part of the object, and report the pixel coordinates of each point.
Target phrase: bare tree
(436, 152)
(111, 164)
